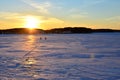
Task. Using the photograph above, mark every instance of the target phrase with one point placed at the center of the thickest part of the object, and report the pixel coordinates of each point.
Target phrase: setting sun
(31, 22)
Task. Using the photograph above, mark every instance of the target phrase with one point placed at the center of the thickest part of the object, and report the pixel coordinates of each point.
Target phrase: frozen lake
(60, 57)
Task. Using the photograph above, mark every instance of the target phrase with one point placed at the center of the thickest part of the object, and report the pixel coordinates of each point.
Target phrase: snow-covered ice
(60, 57)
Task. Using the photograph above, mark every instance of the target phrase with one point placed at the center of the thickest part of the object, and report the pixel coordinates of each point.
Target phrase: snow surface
(60, 57)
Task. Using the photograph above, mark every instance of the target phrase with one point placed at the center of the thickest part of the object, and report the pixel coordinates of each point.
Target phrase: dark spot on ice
(65, 55)
(74, 55)
(114, 78)
(41, 79)
(42, 46)
(4, 46)
(16, 51)
(60, 79)
(60, 72)
(15, 66)
(85, 78)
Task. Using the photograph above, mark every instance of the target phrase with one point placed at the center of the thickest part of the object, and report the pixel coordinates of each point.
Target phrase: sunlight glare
(31, 22)
(30, 61)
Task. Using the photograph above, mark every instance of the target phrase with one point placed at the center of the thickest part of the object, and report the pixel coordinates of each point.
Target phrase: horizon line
(59, 28)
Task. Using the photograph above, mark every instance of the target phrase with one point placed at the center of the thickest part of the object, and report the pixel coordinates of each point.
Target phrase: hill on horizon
(65, 30)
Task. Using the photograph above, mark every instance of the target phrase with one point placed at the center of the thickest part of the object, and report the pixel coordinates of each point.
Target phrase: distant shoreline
(66, 30)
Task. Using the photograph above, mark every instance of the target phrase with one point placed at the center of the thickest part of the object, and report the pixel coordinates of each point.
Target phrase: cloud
(78, 16)
(114, 18)
(10, 16)
(114, 22)
(18, 20)
(41, 7)
(75, 13)
(50, 22)
(54, 20)
(11, 20)
(18, 16)
(88, 3)
(98, 1)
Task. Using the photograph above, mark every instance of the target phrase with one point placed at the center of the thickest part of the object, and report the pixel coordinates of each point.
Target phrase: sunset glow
(31, 22)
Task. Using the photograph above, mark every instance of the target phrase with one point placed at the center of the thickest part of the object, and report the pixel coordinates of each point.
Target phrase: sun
(31, 22)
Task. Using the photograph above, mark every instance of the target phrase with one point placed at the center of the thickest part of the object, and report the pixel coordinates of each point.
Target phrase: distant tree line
(66, 30)
(70, 30)
(21, 31)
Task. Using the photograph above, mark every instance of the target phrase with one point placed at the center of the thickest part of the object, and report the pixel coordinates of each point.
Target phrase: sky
(60, 13)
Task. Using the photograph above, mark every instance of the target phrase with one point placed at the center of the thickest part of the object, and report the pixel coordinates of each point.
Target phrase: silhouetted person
(40, 38)
(45, 38)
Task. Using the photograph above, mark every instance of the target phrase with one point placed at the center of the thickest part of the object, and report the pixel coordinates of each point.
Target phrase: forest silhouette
(66, 30)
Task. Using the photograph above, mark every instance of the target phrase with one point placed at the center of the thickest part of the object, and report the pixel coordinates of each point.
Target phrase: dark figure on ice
(45, 38)
(40, 38)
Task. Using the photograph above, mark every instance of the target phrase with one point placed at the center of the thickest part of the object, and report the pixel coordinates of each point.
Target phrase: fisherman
(40, 38)
(45, 38)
